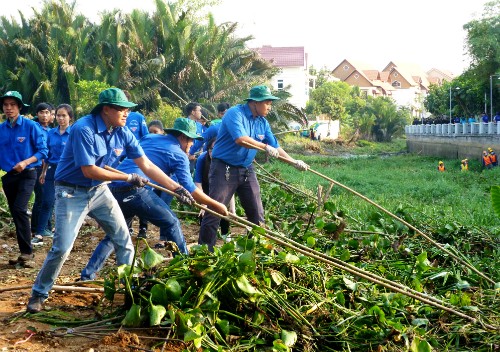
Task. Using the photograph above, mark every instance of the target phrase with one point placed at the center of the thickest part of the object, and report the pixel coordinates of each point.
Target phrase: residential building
(294, 71)
(406, 83)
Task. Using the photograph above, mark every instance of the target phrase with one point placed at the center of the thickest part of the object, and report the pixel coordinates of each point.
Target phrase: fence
(454, 129)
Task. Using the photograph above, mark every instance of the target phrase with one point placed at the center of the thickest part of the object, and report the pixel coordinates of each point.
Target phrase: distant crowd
(457, 119)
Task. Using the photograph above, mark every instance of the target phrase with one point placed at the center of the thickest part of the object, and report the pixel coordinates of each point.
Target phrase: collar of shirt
(19, 121)
(101, 125)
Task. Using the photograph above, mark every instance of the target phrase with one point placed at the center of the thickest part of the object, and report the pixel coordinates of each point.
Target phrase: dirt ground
(16, 328)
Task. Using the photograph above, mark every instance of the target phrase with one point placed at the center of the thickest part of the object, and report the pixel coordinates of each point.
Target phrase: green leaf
(330, 227)
(173, 289)
(159, 294)
(462, 285)
(418, 322)
(156, 314)
(277, 277)
(341, 298)
(320, 223)
(223, 326)
(245, 286)
(246, 262)
(109, 289)
(311, 241)
(133, 317)
(345, 255)
(495, 199)
(418, 345)
(195, 334)
(124, 270)
(279, 346)
(289, 338)
(353, 286)
(150, 258)
(291, 258)
(379, 313)
(497, 286)
(258, 318)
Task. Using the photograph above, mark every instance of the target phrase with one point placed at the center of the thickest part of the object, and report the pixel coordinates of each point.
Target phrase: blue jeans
(73, 203)
(48, 200)
(243, 182)
(145, 204)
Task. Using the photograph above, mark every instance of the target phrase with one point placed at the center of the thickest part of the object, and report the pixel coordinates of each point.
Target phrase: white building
(294, 71)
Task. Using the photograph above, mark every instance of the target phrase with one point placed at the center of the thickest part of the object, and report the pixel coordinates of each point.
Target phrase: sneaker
(45, 233)
(25, 260)
(35, 304)
(30, 264)
(37, 241)
(160, 245)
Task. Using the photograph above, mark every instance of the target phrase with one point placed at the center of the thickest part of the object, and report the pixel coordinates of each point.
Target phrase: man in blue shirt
(23, 147)
(168, 152)
(193, 112)
(43, 114)
(211, 132)
(95, 140)
(136, 123)
(497, 117)
(243, 128)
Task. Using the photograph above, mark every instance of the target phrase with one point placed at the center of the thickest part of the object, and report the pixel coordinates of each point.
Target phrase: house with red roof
(294, 71)
(406, 83)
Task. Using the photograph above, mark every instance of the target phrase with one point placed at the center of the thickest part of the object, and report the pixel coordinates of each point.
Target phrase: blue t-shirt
(90, 143)
(200, 166)
(137, 124)
(497, 118)
(20, 142)
(165, 152)
(239, 122)
(56, 143)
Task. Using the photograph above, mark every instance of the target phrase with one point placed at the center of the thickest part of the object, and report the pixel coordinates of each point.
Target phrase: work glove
(137, 180)
(271, 151)
(184, 196)
(300, 165)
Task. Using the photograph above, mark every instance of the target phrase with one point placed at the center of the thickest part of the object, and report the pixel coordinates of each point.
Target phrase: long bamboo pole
(427, 237)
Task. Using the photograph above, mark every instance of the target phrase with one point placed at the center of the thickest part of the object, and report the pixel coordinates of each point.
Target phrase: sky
(427, 33)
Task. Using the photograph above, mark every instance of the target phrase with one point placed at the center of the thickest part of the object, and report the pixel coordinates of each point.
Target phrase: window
(396, 84)
(395, 74)
(346, 67)
(280, 84)
(356, 76)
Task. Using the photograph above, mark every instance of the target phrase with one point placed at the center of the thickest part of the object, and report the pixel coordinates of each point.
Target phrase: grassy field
(401, 181)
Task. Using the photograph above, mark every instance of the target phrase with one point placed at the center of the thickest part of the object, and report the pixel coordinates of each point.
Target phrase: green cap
(261, 93)
(185, 126)
(15, 95)
(112, 96)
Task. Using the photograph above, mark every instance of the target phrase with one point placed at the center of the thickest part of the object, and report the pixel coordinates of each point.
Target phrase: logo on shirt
(117, 151)
(133, 129)
(21, 139)
(260, 136)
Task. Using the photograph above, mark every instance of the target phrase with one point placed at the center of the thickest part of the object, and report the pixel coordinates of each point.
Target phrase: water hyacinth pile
(253, 294)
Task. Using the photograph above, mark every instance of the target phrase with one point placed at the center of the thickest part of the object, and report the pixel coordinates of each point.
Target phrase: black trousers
(18, 188)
